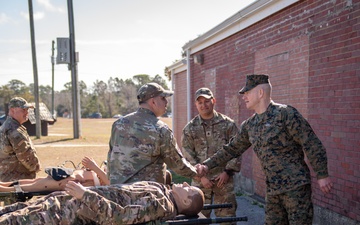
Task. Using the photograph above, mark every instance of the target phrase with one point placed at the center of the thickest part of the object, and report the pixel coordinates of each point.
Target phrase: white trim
(188, 85)
(246, 17)
(177, 67)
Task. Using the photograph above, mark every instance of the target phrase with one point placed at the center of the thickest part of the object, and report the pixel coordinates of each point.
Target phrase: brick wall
(334, 99)
(311, 50)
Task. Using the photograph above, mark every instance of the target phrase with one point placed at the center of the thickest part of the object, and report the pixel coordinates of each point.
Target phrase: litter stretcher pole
(205, 220)
(217, 206)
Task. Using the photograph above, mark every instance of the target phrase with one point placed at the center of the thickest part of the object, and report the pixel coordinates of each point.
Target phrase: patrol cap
(151, 90)
(19, 102)
(204, 92)
(253, 81)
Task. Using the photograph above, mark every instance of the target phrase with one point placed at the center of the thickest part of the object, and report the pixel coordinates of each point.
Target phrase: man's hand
(89, 163)
(75, 189)
(201, 170)
(325, 185)
(222, 179)
(206, 182)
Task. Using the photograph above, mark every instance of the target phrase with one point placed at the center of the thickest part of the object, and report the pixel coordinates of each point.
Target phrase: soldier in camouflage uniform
(281, 137)
(201, 137)
(133, 203)
(142, 146)
(18, 158)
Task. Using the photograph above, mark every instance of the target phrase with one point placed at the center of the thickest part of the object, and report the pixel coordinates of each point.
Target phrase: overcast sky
(114, 38)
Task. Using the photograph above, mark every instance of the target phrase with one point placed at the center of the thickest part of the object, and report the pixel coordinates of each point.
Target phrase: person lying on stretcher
(91, 175)
(132, 203)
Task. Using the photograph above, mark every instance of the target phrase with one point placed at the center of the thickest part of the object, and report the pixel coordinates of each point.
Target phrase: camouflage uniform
(141, 148)
(18, 158)
(280, 136)
(200, 140)
(138, 202)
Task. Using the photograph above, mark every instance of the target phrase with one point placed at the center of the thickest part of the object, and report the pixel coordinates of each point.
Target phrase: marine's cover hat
(253, 81)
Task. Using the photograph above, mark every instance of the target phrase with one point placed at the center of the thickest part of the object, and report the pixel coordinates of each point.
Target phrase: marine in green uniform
(281, 137)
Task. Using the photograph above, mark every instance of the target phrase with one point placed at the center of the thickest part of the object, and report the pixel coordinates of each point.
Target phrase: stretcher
(11, 197)
(20, 196)
(201, 219)
(191, 221)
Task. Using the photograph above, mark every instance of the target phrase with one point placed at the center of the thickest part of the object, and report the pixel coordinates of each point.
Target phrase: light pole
(36, 82)
(52, 72)
(74, 77)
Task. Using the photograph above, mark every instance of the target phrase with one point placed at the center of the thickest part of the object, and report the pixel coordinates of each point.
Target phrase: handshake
(201, 170)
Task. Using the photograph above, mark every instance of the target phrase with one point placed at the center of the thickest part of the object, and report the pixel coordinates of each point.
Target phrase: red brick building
(311, 51)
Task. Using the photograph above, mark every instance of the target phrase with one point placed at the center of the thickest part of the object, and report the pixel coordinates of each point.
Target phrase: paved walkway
(251, 208)
(69, 145)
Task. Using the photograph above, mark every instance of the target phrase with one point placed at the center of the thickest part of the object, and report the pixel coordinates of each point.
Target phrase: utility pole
(36, 82)
(74, 77)
(52, 72)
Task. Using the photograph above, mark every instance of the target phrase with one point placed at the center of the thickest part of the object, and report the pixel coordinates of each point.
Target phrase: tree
(92, 106)
(116, 96)
(141, 79)
(14, 88)
(99, 92)
(128, 99)
(45, 93)
(64, 98)
(19, 88)
(6, 93)
(61, 109)
(158, 79)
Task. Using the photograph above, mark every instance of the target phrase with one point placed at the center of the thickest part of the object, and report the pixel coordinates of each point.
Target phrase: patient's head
(189, 199)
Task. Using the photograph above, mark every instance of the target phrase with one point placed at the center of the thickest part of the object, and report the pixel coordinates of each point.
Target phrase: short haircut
(197, 203)
(267, 88)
